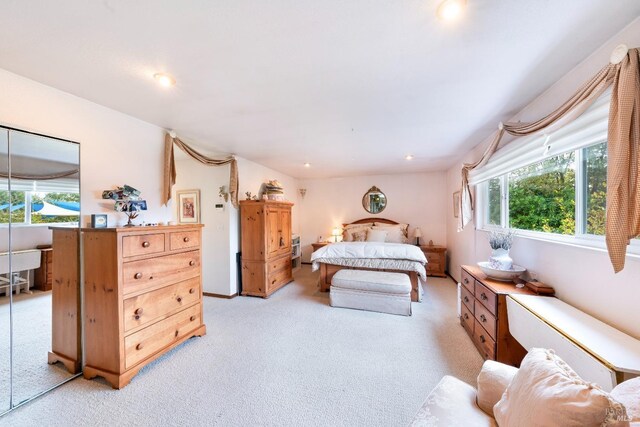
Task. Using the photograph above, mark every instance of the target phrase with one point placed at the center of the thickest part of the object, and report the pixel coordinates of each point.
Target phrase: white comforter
(390, 256)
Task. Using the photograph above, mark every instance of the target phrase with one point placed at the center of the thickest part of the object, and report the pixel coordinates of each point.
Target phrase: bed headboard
(366, 220)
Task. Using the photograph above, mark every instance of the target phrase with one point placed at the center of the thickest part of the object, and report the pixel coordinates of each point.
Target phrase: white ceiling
(350, 86)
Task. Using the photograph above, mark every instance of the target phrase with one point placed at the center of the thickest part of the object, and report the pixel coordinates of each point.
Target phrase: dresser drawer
(433, 266)
(486, 319)
(148, 273)
(466, 319)
(184, 240)
(279, 264)
(142, 244)
(487, 298)
(468, 281)
(156, 337)
(146, 308)
(484, 342)
(433, 256)
(278, 278)
(467, 299)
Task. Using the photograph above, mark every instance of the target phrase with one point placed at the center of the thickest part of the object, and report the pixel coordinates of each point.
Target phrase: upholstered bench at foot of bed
(372, 290)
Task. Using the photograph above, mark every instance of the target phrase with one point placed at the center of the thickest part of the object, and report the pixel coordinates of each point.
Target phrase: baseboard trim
(209, 294)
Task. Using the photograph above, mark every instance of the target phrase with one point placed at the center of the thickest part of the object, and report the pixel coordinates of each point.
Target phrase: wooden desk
(484, 315)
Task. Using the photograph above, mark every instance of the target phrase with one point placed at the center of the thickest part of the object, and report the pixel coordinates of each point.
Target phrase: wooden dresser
(142, 296)
(265, 227)
(42, 279)
(484, 315)
(436, 259)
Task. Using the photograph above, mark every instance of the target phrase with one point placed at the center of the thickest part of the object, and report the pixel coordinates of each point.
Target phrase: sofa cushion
(372, 281)
(451, 403)
(547, 392)
(493, 380)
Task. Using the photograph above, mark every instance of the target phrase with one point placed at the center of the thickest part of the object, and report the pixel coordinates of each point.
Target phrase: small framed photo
(188, 206)
(99, 221)
(456, 204)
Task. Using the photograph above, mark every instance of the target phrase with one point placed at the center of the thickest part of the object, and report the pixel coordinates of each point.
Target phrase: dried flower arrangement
(501, 239)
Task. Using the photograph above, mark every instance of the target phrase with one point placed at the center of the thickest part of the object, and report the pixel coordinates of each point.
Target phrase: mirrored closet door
(40, 318)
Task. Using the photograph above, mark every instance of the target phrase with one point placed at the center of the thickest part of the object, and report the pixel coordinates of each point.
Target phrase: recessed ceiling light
(449, 10)
(408, 157)
(164, 79)
(307, 165)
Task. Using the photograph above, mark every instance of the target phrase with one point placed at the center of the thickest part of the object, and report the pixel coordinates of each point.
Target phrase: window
(595, 185)
(32, 207)
(494, 201)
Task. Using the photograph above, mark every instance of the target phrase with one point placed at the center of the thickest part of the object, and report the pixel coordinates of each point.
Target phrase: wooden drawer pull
(186, 239)
(483, 296)
(146, 244)
(483, 339)
(177, 333)
(192, 318)
(137, 276)
(137, 313)
(139, 346)
(483, 318)
(192, 263)
(192, 290)
(179, 299)
(273, 282)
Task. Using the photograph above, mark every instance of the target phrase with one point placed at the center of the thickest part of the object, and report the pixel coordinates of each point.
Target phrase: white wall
(115, 149)
(582, 277)
(418, 199)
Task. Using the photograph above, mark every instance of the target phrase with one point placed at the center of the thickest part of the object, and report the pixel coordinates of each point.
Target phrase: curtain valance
(623, 175)
(170, 167)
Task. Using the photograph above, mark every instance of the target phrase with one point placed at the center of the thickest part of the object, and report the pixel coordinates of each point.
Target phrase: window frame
(579, 239)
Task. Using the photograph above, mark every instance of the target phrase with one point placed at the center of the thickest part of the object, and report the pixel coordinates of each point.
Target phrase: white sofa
(455, 403)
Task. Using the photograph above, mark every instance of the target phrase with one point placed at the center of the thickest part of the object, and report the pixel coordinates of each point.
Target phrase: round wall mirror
(374, 201)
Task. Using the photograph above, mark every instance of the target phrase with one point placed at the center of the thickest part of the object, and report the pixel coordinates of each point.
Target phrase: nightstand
(318, 245)
(436, 257)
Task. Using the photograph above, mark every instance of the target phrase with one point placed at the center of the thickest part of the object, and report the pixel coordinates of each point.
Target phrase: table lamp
(335, 233)
(417, 234)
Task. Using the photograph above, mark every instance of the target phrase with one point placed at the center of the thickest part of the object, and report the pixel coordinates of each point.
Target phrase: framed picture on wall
(188, 206)
(456, 204)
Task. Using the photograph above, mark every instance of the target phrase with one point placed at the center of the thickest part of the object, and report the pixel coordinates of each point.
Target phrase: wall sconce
(336, 233)
(223, 193)
(417, 233)
(302, 192)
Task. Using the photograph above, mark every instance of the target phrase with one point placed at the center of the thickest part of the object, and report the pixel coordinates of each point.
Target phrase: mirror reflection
(39, 193)
(374, 201)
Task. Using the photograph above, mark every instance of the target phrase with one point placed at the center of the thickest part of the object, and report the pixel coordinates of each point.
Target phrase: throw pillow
(359, 236)
(547, 392)
(352, 228)
(394, 234)
(376, 235)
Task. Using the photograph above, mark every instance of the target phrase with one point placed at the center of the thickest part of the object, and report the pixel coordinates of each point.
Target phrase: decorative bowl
(505, 275)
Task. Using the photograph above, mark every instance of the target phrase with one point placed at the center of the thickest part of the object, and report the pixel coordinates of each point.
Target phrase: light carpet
(290, 360)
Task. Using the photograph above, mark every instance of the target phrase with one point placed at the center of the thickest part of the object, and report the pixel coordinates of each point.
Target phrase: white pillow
(376, 235)
(403, 227)
(547, 392)
(394, 234)
(353, 228)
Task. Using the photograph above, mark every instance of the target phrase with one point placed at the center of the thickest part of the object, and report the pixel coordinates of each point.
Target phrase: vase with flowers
(501, 242)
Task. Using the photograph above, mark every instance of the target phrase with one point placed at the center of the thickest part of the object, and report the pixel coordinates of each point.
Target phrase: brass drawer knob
(466, 281)
(191, 290)
(139, 346)
(192, 318)
(146, 244)
(137, 276)
(483, 296)
(186, 239)
(482, 339)
(192, 263)
(483, 318)
(466, 316)
(466, 299)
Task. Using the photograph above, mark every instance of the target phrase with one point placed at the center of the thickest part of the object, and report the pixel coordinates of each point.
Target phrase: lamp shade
(417, 232)
(336, 232)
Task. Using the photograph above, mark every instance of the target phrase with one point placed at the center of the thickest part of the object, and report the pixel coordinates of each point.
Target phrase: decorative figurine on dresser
(265, 226)
(142, 296)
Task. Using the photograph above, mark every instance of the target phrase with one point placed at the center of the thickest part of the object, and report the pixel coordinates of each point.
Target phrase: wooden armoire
(265, 226)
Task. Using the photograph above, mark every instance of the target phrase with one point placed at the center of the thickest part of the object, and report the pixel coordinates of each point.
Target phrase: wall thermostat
(219, 207)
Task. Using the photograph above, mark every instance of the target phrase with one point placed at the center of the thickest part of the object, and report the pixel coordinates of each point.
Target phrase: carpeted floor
(31, 344)
(290, 360)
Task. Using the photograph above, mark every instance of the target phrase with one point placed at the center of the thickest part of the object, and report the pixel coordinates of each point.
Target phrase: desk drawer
(156, 337)
(487, 298)
(184, 240)
(467, 299)
(486, 319)
(468, 281)
(142, 244)
(145, 308)
(484, 342)
(149, 273)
